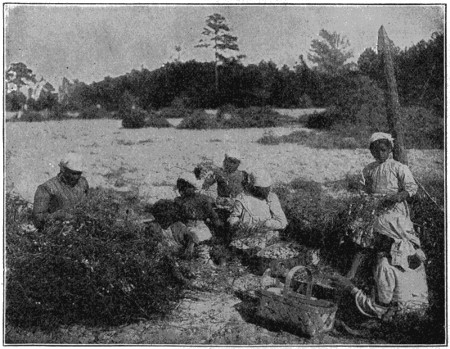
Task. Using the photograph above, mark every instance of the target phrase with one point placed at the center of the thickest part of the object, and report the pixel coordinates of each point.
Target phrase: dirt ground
(148, 162)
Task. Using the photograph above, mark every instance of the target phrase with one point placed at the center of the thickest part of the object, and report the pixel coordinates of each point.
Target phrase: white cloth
(73, 162)
(405, 289)
(250, 210)
(190, 178)
(381, 135)
(260, 178)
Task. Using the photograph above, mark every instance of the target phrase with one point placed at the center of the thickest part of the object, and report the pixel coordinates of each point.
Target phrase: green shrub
(30, 116)
(100, 268)
(423, 128)
(323, 120)
(260, 117)
(226, 111)
(171, 113)
(133, 118)
(305, 101)
(154, 120)
(93, 112)
(199, 120)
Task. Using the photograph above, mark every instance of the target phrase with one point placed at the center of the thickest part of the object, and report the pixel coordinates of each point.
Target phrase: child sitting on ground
(195, 210)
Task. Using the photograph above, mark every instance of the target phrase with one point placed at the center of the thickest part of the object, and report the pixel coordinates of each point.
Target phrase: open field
(151, 159)
(148, 161)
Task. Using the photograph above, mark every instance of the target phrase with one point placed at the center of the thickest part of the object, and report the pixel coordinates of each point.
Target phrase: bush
(154, 120)
(260, 117)
(423, 128)
(324, 120)
(226, 112)
(100, 268)
(175, 112)
(199, 120)
(305, 102)
(93, 112)
(31, 116)
(133, 118)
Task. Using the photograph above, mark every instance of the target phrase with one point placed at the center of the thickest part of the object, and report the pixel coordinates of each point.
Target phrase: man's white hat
(234, 154)
(73, 162)
(260, 178)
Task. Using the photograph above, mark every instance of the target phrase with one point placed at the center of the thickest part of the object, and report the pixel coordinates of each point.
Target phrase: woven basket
(303, 313)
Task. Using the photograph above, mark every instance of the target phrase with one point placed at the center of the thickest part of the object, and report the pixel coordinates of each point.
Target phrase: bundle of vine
(361, 216)
(99, 268)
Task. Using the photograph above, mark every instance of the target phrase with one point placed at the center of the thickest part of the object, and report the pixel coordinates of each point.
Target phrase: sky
(90, 42)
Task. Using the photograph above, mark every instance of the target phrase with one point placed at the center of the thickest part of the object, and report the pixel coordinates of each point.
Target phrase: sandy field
(149, 160)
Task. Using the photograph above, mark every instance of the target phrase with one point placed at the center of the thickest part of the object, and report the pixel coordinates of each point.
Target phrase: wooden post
(391, 96)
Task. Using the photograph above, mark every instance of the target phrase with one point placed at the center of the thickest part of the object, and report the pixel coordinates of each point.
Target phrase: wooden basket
(301, 312)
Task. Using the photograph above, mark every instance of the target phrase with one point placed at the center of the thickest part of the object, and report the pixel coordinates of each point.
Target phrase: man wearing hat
(54, 198)
(228, 178)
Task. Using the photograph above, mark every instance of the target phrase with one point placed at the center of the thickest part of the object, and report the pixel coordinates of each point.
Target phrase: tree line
(226, 80)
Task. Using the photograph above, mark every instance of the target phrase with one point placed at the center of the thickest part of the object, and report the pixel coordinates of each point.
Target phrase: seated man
(57, 196)
(400, 279)
(258, 207)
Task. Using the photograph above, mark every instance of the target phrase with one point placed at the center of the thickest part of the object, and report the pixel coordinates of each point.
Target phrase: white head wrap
(260, 178)
(381, 135)
(234, 154)
(191, 179)
(73, 162)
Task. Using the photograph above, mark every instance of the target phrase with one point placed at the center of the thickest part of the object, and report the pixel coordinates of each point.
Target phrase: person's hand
(189, 252)
(342, 282)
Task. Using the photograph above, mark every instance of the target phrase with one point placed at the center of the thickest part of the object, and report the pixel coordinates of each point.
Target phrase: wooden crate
(306, 314)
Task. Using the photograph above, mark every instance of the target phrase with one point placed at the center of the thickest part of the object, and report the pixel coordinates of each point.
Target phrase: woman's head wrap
(73, 162)
(381, 135)
(260, 178)
(190, 178)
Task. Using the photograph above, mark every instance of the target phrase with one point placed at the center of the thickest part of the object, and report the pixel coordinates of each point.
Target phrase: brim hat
(260, 178)
(381, 135)
(73, 162)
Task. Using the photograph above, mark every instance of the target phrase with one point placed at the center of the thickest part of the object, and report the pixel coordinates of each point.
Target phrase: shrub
(423, 128)
(175, 112)
(154, 120)
(305, 101)
(100, 268)
(260, 117)
(133, 118)
(31, 116)
(199, 120)
(323, 120)
(226, 111)
(93, 112)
